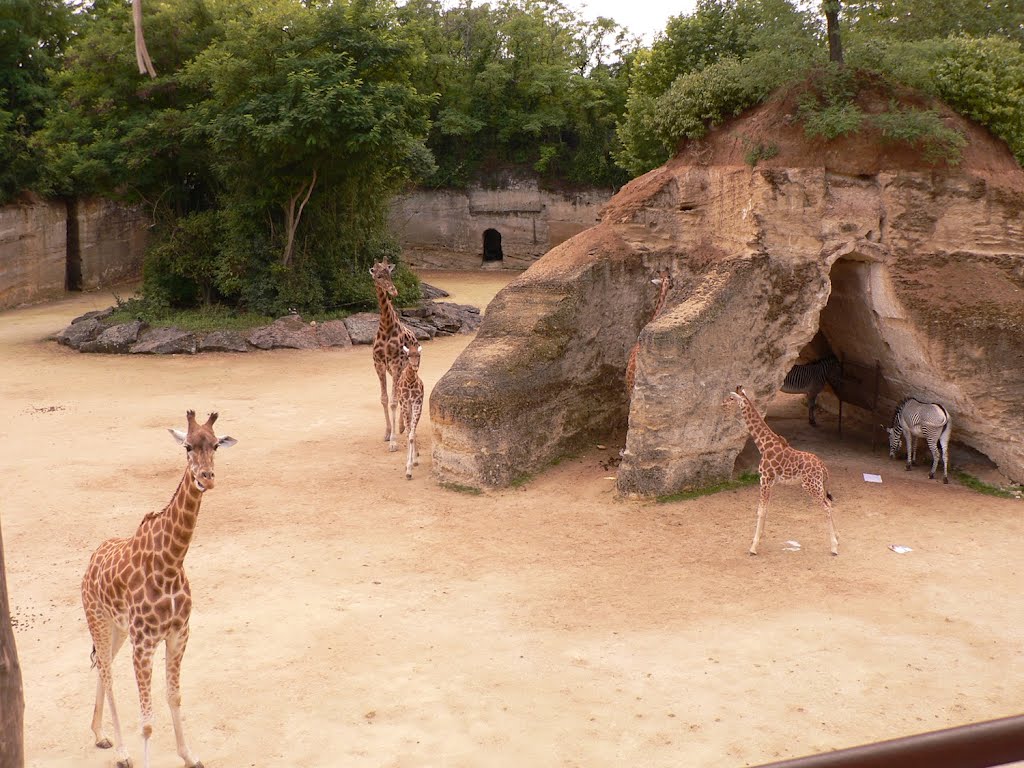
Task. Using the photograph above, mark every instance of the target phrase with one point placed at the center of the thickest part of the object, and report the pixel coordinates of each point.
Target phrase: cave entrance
(492, 245)
(847, 328)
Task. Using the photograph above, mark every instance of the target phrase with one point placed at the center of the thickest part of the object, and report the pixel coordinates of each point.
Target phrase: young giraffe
(137, 589)
(392, 336)
(664, 279)
(410, 397)
(781, 463)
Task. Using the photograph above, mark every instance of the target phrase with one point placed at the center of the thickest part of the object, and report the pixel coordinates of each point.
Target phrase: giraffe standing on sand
(781, 463)
(664, 279)
(392, 336)
(137, 589)
(410, 397)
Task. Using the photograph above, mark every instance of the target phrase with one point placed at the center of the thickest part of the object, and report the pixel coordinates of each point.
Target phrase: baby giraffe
(781, 463)
(136, 589)
(410, 399)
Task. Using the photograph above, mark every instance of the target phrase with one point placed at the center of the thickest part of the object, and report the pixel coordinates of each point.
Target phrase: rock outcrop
(919, 269)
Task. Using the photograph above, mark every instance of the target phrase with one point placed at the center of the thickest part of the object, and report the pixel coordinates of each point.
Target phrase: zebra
(913, 419)
(810, 378)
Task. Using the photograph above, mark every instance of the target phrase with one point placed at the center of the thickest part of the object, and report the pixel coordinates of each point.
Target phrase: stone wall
(112, 239)
(33, 252)
(444, 229)
(42, 253)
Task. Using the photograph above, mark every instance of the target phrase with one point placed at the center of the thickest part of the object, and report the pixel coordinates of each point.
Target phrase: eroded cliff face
(921, 271)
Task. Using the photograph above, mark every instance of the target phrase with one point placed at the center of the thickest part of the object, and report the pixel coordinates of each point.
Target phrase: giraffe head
(413, 356)
(381, 273)
(735, 398)
(200, 444)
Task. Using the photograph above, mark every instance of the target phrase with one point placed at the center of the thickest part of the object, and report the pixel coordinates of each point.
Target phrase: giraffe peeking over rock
(136, 589)
(664, 279)
(780, 463)
(410, 398)
(392, 337)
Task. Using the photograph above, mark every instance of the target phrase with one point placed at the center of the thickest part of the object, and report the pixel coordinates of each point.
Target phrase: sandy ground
(347, 617)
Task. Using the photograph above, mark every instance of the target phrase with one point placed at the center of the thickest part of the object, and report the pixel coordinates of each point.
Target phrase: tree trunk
(12, 700)
(141, 52)
(835, 43)
(292, 218)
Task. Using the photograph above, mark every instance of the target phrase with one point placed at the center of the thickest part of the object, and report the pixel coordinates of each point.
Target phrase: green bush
(923, 129)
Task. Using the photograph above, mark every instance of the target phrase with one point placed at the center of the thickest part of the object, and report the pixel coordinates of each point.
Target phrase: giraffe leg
(175, 652)
(414, 420)
(382, 374)
(815, 486)
(832, 538)
(108, 640)
(762, 510)
(393, 445)
(143, 660)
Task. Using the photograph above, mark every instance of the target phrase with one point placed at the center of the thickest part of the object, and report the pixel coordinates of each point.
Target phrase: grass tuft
(747, 478)
(970, 481)
(460, 488)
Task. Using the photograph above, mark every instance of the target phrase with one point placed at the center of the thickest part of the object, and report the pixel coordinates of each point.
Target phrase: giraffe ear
(419, 347)
(226, 442)
(178, 435)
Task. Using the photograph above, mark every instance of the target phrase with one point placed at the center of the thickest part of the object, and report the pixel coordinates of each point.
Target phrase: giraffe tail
(829, 496)
(92, 658)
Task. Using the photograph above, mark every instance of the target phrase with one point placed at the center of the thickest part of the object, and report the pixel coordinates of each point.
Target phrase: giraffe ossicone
(136, 589)
(781, 463)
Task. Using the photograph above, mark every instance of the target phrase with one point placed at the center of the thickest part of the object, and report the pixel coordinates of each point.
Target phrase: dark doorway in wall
(492, 245)
(73, 252)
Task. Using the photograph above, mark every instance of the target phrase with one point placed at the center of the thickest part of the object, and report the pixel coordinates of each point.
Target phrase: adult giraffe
(392, 336)
(136, 589)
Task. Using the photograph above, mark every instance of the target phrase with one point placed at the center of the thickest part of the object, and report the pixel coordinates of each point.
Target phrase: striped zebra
(914, 419)
(810, 378)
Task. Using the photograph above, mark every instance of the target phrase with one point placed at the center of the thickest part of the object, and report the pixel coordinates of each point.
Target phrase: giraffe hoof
(126, 763)
(196, 764)
(392, 448)
(104, 743)
(752, 553)
(408, 476)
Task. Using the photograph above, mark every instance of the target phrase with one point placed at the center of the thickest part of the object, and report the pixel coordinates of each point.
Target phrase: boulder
(865, 244)
(223, 341)
(362, 327)
(333, 333)
(165, 341)
(82, 329)
(117, 339)
(288, 332)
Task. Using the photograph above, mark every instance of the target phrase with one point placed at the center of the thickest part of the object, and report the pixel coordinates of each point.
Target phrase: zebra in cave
(810, 378)
(913, 419)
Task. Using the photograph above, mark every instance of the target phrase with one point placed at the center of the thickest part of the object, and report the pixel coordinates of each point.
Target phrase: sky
(642, 17)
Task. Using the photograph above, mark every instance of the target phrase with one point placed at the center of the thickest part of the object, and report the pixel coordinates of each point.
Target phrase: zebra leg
(933, 446)
(811, 400)
(911, 445)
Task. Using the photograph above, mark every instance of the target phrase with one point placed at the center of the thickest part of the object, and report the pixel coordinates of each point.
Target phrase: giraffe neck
(763, 436)
(388, 315)
(661, 299)
(168, 534)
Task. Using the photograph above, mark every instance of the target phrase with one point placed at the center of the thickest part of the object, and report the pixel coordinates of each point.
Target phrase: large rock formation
(915, 267)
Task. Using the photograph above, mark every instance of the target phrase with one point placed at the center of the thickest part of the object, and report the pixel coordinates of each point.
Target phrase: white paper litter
(868, 478)
(792, 546)
(899, 549)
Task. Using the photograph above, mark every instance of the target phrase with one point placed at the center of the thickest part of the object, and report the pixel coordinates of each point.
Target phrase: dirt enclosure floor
(345, 616)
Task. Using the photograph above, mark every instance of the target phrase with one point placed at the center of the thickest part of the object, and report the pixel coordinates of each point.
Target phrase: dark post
(12, 700)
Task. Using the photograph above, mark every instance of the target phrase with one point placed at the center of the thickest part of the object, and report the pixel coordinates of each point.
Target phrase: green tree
(33, 35)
